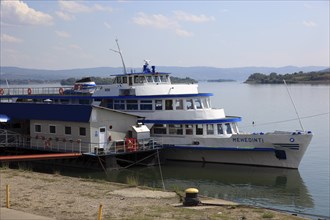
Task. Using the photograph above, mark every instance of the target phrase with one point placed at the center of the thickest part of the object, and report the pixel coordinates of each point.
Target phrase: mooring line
(288, 120)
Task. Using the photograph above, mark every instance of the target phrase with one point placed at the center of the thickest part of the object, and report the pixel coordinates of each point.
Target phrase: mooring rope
(283, 121)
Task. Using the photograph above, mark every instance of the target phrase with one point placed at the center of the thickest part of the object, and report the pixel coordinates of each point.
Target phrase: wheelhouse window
(156, 79)
(67, 130)
(179, 104)
(82, 131)
(52, 129)
(158, 104)
(149, 79)
(228, 128)
(189, 104)
(37, 128)
(220, 129)
(136, 79)
(176, 129)
(125, 79)
(119, 80)
(146, 105)
(159, 128)
(210, 129)
(199, 129)
(169, 104)
(198, 104)
(189, 130)
(132, 104)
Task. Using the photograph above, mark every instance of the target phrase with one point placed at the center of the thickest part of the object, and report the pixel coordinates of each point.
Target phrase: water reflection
(261, 186)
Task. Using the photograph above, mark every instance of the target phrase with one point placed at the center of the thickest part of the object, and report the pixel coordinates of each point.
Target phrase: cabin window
(142, 79)
(169, 104)
(82, 131)
(175, 129)
(189, 104)
(125, 80)
(198, 104)
(37, 128)
(158, 104)
(210, 129)
(52, 129)
(199, 129)
(228, 128)
(119, 104)
(156, 79)
(119, 80)
(136, 79)
(159, 129)
(179, 104)
(149, 79)
(146, 105)
(220, 129)
(67, 130)
(132, 104)
(189, 130)
(235, 128)
(163, 79)
(205, 103)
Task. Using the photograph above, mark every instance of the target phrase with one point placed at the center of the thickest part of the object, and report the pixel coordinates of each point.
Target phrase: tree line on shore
(297, 77)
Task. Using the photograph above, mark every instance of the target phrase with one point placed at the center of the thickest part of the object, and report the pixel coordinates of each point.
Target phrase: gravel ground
(62, 197)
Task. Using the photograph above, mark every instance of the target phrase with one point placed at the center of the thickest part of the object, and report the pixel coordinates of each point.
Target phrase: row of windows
(142, 79)
(167, 104)
(197, 129)
(67, 129)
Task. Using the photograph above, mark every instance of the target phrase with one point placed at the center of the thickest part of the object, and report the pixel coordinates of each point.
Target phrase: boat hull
(274, 150)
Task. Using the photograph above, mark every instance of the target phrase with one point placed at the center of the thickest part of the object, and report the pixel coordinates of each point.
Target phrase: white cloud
(157, 21)
(10, 39)
(184, 16)
(183, 33)
(62, 34)
(65, 16)
(309, 23)
(18, 12)
(77, 7)
(160, 21)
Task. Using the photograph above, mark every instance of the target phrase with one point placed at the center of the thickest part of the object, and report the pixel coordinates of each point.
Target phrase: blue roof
(51, 112)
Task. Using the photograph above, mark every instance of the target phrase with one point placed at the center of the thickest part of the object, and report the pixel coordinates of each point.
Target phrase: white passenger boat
(183, 120)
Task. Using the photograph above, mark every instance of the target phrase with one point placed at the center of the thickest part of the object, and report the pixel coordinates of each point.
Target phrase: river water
(304, 191)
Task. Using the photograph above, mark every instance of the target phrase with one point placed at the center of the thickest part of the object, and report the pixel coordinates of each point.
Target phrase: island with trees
(321, 77)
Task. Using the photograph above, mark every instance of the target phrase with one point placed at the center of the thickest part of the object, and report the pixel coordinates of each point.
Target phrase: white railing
(12, 139)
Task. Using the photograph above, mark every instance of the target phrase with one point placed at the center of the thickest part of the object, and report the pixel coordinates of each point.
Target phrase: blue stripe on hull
(218, 148)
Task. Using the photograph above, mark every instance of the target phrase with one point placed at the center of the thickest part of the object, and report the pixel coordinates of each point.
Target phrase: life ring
(29, 91)
(61, 91)
(1, 91)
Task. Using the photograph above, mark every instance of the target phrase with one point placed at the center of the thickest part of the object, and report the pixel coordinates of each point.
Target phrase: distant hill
(319, 77)
(197, 73)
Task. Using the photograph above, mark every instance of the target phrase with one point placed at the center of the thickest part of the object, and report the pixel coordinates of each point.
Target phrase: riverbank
(61, 197)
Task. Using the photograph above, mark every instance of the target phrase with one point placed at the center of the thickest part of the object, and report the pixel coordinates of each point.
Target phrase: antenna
(294, 106)
(121, 56)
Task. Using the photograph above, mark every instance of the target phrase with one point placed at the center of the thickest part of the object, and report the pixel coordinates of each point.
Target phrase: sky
(79, 34)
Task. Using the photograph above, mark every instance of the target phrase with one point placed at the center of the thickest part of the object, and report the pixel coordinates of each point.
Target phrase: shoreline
(62, 197)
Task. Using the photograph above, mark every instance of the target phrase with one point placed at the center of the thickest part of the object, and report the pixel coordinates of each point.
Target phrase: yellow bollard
(100, 213)
(7, 196)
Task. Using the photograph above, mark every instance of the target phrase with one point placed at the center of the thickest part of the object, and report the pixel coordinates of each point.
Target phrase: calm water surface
(305, 190)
